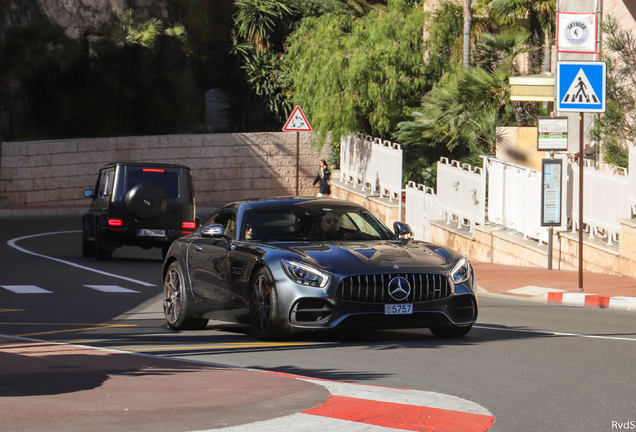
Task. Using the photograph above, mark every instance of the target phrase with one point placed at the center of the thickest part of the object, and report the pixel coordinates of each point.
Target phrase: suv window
(166, 180)
(105, 187)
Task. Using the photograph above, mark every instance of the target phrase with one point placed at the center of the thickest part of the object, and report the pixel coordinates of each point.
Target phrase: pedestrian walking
(324, 174)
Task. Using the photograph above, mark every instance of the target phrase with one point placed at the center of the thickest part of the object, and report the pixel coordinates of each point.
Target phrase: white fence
(372, 164)
(421, 209)
(513, 191)
(604, 191)
(514, 198)
(632, 178)
(461, 192)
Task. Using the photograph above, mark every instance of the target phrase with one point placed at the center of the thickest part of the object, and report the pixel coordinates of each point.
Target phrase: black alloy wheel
(263, 306)
(176, 307)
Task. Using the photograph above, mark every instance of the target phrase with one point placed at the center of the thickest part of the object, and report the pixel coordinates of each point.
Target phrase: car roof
(283, 201)
(145, 164)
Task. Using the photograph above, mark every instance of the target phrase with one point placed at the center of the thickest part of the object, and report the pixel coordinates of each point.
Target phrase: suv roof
(163, 165)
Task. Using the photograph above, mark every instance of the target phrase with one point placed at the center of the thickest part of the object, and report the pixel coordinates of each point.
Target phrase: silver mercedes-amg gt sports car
(297, 263)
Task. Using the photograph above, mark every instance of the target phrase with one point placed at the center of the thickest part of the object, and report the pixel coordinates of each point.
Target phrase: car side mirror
(214, 230)
(88, 193)
(400, 228)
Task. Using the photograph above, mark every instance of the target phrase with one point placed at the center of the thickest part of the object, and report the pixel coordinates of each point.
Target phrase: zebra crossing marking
(33, 289)
(26, 289)
(110, 289)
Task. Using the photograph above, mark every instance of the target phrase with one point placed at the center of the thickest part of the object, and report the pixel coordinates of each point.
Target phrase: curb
(590, 300)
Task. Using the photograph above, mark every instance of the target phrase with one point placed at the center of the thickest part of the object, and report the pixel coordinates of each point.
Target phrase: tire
(88, 247)
(176, 305)
(164, 251)
(450, 332)
(146, 201)
(264, 307)
(101, 253)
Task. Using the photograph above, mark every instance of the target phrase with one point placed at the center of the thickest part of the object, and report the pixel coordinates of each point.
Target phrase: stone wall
(225, 167)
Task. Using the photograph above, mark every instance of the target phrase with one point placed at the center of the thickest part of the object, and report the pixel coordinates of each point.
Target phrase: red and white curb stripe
(354, 407)
(590, 300)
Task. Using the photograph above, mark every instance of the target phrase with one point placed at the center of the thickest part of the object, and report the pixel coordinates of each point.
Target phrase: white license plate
(152, 233)
(398, 309)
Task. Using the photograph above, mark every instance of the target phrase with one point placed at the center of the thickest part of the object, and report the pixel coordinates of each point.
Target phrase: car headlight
(304, 274)
(461, 271)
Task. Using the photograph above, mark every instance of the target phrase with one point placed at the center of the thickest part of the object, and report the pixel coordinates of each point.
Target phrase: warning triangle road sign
(297, 122)
(580, 91)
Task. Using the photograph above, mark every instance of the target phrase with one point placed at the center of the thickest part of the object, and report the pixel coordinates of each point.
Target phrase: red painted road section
(401, 416)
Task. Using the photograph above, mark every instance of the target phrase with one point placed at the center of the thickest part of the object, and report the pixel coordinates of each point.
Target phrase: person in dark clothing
(322, 178)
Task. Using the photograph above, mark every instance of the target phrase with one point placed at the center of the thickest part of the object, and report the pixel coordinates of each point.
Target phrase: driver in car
(330, 225)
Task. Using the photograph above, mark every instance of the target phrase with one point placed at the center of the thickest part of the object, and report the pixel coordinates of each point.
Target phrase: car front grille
(375, 288)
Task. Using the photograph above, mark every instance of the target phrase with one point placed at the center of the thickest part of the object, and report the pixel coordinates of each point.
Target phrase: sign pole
(297, 162)
(550, 232)
(581, 169)
(297, 122)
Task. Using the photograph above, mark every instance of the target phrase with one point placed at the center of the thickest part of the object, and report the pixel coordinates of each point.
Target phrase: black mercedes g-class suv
(142, 204)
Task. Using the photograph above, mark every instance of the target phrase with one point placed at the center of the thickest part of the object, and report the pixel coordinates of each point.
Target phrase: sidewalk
(556, 286)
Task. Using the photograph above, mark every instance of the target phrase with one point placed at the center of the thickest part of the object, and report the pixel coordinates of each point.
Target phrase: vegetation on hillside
(378, 67)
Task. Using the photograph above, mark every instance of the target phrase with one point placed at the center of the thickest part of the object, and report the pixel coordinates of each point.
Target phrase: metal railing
(604, 190)
(421, 209)
(372, 164)
(514, 198)
(461, 193)
(632, 178)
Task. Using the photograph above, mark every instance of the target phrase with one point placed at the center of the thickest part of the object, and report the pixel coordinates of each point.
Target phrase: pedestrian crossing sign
(581, 86)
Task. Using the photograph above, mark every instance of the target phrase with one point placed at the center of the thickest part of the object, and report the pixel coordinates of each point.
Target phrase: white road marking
(534, 290)
(305, 423)
(12, 243)
(110, 288)
(401, 396)
(549, 333)
(26, 289)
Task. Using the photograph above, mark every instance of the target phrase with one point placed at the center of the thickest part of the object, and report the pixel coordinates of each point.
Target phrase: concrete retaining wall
(225, 167)
(494, 245)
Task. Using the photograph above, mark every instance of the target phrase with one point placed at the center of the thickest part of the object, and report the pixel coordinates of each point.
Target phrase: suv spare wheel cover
(146, 201)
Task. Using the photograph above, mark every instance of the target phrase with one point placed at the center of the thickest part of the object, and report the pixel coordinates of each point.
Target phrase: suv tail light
(154, 170)
(189, 225)
(115, 222)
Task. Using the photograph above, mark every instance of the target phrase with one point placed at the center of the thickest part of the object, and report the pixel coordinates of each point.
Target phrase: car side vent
(375, 288)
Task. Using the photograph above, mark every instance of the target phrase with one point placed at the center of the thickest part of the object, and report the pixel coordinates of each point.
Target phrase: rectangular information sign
(552, 175)
(552, 133)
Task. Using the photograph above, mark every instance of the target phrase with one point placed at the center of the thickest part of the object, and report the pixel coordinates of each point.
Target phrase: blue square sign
(581, 86)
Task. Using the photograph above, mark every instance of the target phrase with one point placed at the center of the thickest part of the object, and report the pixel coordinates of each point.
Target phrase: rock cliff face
(74, 15)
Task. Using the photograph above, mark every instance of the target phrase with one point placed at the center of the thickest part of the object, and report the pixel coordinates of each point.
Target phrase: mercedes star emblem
(399, 288)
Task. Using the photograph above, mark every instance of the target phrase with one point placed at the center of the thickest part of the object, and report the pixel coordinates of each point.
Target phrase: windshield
(311, 222)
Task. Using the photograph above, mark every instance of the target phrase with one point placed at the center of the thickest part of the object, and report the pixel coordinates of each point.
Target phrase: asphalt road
(535, 367)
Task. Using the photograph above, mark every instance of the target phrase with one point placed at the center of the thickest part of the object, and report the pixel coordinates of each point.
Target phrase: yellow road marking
(67, 324)
(220, 346)
(12, 310)
(99, 327)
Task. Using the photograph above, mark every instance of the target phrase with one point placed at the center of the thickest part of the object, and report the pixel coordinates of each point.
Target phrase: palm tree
(258, 20)
(541, 16)
(460, 115)
(468, 17)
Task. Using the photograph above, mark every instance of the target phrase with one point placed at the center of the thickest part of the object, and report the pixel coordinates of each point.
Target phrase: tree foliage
(459, 117)
(366, 73)
(616, 128)
(131, 77)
